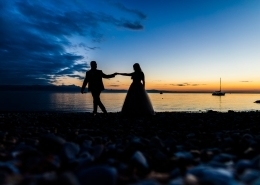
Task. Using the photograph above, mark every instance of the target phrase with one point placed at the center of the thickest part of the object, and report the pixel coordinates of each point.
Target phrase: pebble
(69, 151)
(98, 175)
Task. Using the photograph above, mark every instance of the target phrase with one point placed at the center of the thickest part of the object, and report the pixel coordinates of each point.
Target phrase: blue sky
(180, 44)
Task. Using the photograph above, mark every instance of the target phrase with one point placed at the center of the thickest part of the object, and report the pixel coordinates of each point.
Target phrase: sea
(166, 102)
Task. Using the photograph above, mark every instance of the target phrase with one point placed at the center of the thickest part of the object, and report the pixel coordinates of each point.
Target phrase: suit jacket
(94, 80)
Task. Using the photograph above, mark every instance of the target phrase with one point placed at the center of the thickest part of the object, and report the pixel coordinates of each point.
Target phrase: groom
(95, 85)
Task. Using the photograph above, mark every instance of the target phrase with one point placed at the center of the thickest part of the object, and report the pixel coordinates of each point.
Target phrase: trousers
(97, 102)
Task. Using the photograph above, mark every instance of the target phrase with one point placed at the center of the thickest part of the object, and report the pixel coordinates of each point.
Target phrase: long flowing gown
(137, 101)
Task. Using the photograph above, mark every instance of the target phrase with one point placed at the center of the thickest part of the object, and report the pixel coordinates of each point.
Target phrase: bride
(137, 101)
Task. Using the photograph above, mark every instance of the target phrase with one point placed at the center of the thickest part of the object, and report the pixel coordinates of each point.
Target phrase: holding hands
(116, 73)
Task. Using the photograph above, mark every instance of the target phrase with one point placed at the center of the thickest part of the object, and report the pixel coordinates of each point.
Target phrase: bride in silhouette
(137, 101)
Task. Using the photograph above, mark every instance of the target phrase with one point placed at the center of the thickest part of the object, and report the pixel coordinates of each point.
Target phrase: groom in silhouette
(95, 85)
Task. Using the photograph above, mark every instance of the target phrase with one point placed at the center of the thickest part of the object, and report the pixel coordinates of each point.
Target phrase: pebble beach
(173, 148)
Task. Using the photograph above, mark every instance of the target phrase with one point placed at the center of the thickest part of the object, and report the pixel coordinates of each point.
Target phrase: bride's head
(137, 67)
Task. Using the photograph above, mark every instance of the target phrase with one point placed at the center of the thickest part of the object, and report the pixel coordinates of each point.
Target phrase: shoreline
(152, 91)
(100, 113)
(167, 148)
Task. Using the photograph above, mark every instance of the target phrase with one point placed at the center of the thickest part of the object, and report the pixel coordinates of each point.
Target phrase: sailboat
(218, 93)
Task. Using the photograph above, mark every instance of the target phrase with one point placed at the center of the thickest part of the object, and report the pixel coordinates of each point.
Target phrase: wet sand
(169, 148)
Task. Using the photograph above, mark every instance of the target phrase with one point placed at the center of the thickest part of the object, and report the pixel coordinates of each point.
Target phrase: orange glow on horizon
(204, 86)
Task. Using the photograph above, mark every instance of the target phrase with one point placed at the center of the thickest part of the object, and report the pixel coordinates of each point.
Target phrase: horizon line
(157, 90)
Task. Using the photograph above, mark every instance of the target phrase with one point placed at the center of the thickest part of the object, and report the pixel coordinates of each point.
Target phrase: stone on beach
(98, 175)
(51, 143)
(69, 151)
(208, 175)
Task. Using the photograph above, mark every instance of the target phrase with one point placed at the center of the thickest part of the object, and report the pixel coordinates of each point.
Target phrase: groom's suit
(94, 79)
(95, 86)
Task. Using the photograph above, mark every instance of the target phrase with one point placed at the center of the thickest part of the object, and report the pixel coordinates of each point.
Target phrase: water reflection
(220, 107)
(77, 102)
(218, 100)
(25, 101)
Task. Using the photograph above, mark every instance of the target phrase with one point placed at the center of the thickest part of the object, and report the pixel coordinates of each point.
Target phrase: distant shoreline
(76, 89)
(125, 91)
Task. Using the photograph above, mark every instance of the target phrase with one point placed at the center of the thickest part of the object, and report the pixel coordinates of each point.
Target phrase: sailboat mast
(220, 85)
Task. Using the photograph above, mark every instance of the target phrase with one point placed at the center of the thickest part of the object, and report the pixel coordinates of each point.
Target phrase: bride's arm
(143, 80)
(125, 74)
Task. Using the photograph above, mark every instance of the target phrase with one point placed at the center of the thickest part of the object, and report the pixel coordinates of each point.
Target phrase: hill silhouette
(54, 88)
(61, 88)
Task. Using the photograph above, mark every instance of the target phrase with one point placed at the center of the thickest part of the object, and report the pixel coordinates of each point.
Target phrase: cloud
(197, 84)
(132, 25)
(132, 11)
(182, 84)
(73, 69)
(82, 45)
(245, 81)
(36, 38)
(187, 84)
(76, 76)
(114, 85)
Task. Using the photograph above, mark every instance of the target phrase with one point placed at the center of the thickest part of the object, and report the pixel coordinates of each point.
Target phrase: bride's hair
(137, 67)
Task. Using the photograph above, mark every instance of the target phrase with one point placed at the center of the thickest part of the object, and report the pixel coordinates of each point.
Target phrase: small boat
(218, 93)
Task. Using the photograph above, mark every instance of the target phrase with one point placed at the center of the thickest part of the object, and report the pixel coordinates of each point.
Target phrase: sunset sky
(181, 45)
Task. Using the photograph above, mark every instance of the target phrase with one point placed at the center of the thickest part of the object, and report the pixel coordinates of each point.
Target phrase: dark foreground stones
(168, 148)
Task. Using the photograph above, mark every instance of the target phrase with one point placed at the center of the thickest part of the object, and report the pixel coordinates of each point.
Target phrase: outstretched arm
(108, 76)
(125, 74)
(85, 82)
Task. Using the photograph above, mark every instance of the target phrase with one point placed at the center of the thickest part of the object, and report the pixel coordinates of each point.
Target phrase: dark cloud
(35, 39)
(133, 11)
(198, 84)
(133, 25)
(114, 85)
(124, 23)
(183, 84)
(76, 76)
(82, 45)
(186, 84)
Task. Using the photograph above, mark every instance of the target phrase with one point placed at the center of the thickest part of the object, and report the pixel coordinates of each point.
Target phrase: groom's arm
(107, 76)
(85, 82)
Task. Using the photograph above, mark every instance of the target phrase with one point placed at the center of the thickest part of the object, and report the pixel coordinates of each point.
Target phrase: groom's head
(93, 65)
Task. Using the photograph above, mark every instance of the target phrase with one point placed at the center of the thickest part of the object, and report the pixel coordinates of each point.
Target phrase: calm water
(76, 102)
